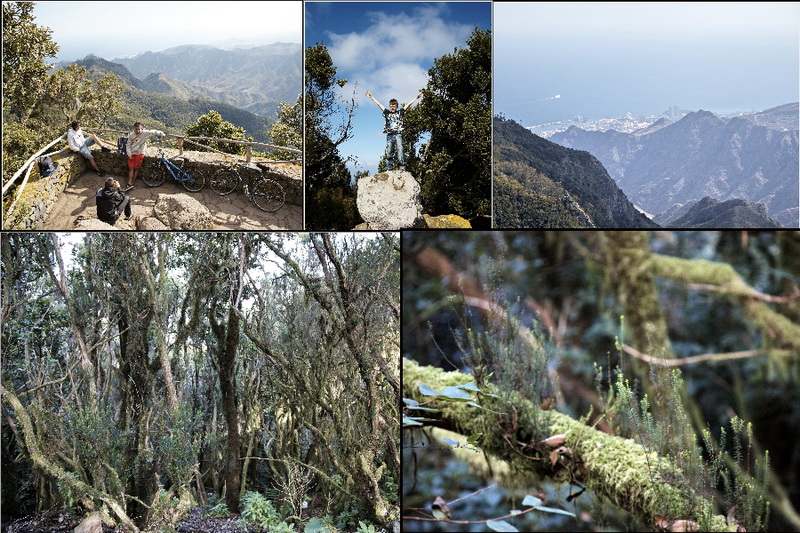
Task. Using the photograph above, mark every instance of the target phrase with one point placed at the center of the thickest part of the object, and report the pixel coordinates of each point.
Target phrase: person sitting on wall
(112, 202)
(78, 143)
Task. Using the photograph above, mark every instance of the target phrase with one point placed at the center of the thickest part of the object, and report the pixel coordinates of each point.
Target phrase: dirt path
(232, 212)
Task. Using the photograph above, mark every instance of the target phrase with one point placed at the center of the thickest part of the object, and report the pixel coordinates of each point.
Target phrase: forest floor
(65, 522)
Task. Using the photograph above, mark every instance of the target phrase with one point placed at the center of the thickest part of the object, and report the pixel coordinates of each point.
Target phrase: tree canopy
(330, 196)
(212, 125)
(456, 109)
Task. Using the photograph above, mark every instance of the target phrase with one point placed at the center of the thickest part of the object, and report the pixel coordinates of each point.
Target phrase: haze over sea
(605, 60)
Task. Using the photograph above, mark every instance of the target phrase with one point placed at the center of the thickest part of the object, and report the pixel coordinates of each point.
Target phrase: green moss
(620, 469)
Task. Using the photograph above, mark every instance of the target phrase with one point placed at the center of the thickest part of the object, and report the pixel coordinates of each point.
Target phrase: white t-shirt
(75, 139)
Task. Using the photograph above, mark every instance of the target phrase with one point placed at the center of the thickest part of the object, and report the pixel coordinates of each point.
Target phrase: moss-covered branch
(782, 332)
(53, 468)
(619, 469)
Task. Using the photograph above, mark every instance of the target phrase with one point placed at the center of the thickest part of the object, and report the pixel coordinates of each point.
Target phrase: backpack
(46, 166)
(122, 145)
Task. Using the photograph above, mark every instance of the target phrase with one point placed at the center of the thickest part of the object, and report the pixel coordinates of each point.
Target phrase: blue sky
(607, 59)
(387, 48)
(116, 29)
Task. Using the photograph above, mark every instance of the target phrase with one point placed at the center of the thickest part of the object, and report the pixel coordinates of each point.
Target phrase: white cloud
(402, 81)
(391, 56)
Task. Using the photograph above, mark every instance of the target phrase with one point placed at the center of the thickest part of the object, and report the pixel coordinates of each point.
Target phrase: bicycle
(156, 172)
(266, 193)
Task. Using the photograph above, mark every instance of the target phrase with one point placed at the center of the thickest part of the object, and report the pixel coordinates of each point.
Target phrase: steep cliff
(538, 183)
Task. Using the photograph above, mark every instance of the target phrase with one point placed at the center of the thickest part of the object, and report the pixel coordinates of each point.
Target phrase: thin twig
(729, 356)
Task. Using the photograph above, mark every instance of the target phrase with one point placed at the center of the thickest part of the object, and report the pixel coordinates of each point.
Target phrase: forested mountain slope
(255, 79)
(163, 103)
(540, 184)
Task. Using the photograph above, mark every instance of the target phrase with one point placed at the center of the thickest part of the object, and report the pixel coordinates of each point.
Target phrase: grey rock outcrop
(182, 212)
(389, 200)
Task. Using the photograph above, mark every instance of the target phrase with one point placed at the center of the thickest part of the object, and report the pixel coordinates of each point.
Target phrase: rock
(151, 224)
(389, 200)
(91, 524)
(446, 221)
(93, 224)
(182, 212)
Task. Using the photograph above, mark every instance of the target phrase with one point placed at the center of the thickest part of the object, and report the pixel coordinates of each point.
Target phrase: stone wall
(290, 177)
(41, 193)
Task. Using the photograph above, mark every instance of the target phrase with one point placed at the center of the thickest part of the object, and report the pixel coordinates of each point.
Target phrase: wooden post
(180, 146)
(248, 153)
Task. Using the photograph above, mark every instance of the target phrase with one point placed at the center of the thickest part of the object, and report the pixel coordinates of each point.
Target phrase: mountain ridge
(255, 79)
(701, 155)
(171, 105)
(736, 213)
(541, 184)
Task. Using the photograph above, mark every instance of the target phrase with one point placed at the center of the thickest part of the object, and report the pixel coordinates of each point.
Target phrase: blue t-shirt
(394, 121)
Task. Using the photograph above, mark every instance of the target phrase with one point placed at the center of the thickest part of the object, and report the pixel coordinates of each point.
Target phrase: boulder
(91, 524)
(446, 221)
(389, 200)
(151, 224)
(182, 212)
(93, 224)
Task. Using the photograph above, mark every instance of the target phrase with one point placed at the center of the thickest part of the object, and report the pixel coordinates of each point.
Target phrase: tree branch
(616, 468)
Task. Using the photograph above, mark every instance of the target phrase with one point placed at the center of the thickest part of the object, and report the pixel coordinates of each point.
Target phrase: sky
(117, 29)
(387, 48)
(607, 59)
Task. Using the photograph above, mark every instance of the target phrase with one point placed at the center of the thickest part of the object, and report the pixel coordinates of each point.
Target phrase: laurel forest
(200, 382)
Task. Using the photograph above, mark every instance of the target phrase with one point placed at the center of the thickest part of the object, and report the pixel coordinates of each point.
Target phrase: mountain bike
(266, 193)
(156, 172)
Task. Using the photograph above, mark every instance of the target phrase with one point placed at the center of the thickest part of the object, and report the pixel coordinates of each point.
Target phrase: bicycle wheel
(224, 181)
(193, 180)
(268, 195)
(153, 174)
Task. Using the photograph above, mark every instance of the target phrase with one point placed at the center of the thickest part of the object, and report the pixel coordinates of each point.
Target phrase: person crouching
(112, 202)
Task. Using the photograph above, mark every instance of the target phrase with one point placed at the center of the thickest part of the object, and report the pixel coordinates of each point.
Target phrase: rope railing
(29, 164)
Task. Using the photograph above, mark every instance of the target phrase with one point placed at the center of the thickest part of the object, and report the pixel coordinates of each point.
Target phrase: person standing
(137, 144)
(393, 129)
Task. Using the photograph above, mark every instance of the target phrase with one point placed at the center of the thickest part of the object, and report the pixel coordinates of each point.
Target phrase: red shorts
(135, 161)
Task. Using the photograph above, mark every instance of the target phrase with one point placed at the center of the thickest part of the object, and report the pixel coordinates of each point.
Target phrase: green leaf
(439, 514)
(410, 401)
(427, 391)
(408, 421)
(556, 511)
(469, 386)
(474, 438)
(500, 525)
(531, 501)
(451, 442)
(431, 409)
(484, 408)
(454, 393)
